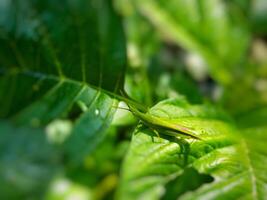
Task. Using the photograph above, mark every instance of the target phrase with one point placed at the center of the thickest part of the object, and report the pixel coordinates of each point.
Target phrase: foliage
(200, 64)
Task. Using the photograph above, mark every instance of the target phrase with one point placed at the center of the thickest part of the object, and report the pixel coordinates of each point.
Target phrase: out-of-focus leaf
(176, 84)
(253, 93)
(237, 6)
(142, 40)
(100, 170)
(54, 57)
(237, 162)
(259, 17)
(184, 84)
(27, 162)
(254, 118)
(204, 27)
(61, 189)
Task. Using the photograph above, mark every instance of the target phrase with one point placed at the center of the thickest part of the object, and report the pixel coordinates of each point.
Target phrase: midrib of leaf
(60, 80)
(41, 76)
(250, 169)
(20, 117)
(61, 77)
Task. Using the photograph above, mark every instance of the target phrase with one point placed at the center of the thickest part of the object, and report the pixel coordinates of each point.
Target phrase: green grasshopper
(163, 126)
(158, 124)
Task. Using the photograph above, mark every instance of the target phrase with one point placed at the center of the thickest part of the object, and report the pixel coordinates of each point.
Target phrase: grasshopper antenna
(117, 107)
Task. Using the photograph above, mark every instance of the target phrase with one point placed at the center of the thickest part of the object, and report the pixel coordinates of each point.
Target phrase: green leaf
(235, 161)
(248, 183)
(27, 162)
(54, 58)
(204, 27)
(53, 50)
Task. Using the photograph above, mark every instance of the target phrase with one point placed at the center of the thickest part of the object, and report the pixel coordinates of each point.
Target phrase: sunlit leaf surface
(236, 161)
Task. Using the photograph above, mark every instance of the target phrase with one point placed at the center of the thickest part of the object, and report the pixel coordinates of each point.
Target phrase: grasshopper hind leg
(156, 132)
(184, 149)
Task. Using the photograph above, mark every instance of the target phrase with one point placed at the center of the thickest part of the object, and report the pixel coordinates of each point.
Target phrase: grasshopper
(158, 124)
(163, 126)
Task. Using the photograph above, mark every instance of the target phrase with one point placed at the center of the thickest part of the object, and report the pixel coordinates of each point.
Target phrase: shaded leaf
(54, 58)
(56, 49)
(189, 180)
(27, 162)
